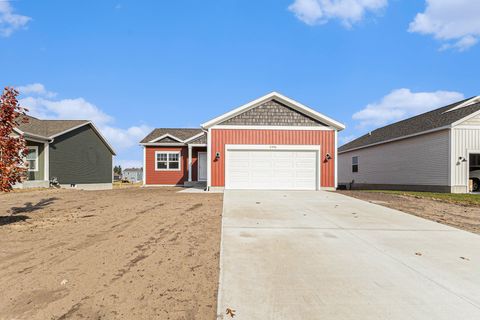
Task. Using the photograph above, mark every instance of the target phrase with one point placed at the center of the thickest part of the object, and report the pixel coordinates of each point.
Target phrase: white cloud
(314, 12)
(455, 22)
(402, 103)
(69, 109)
(9, 21)
(124, 140)
(36, 89)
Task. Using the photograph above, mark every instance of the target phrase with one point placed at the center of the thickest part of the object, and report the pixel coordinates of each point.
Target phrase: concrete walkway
(322, 255)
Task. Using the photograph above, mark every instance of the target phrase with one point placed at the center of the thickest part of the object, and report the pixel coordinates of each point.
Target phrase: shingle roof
(180, 133)
(424, 122)
(48, 128)
(200, 140)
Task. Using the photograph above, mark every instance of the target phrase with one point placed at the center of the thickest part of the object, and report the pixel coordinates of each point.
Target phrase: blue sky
(134, 65)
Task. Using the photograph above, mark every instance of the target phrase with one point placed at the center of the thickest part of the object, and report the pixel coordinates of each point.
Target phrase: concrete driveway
(322, 255)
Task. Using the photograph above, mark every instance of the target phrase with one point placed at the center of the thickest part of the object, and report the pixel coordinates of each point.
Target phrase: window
(32, 158)
(354, 164)
(167, 160)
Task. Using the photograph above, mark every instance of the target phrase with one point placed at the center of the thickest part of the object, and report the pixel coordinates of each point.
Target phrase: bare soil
(129, 253)
(466, 217)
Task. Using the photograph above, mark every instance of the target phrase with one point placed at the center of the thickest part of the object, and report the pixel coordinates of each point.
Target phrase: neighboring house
(133, 174)
(270, 143)
(72, 151)
(435, 151)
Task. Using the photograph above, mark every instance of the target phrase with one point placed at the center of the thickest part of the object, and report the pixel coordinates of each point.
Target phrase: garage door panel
(272, 169)
(306, 155)
(303, 164)
(261, 164)
(285, 174)
(261, 174)
(283, 163)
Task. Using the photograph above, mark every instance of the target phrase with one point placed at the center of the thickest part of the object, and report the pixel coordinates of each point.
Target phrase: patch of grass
(462, 199)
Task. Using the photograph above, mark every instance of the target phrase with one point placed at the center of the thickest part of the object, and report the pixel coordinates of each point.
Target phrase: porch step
(195, 184)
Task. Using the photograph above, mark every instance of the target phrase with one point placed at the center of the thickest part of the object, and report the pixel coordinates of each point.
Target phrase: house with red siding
(272, 143)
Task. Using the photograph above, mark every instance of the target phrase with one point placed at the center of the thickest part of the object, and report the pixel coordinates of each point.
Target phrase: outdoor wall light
(462, 159)
(217, 155)
(328, 156)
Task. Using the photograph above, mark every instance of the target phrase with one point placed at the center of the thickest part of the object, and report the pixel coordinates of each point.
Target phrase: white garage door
(271, 169)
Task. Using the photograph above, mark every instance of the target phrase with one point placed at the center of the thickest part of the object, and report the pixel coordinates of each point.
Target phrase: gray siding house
(436, 151)
(72, 151)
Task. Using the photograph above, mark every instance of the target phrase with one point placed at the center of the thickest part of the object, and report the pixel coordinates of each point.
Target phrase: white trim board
(46, 160)
(209, 158)
(37, 157)
(163, 144)
(168, 161)
(144, 165)
(167, 135)
(465, 104)
(282, 99)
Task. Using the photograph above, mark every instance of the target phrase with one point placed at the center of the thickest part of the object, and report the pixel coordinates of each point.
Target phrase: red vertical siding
(324, 138)
(171, 177)
(165, 177)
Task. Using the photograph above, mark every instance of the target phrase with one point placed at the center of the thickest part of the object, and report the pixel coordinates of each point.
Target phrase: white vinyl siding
(475, 121)
(464, 141)
(421, 160)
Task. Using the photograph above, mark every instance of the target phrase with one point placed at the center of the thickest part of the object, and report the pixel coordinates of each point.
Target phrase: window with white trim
(354, 164)
(167, 160)
(32, 158)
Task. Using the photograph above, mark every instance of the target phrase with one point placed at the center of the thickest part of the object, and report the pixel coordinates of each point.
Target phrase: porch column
(189, 163)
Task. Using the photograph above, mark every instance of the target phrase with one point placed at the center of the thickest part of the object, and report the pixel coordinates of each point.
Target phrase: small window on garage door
(354, 164)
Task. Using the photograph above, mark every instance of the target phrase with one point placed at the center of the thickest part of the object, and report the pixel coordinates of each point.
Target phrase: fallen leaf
(418, 253)
(230, 312)
(464, 258)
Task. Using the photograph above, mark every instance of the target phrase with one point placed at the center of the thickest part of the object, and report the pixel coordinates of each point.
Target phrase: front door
(202, 166)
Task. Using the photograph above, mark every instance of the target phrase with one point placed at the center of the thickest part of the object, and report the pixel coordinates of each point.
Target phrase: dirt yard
(466, 217)
(129, 253)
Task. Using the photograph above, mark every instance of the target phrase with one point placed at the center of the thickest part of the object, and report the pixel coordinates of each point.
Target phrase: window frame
(36, 158)
(179, 153)
(355, 164)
